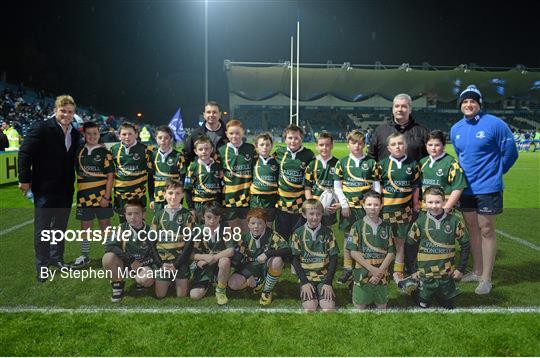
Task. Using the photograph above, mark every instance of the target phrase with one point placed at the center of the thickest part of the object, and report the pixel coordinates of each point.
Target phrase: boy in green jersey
(293, 161)
(371, 244)
(264, 189)
(441, 169)
(432, 242)
(213, 248)
(315, 253)
(319, 179)
(167, 164)
(132, 164)
(174, 225)
(129, 250)
(400, 179)
(355, 175)
(237, 159)
(203, 180)
(95, 178)
(262, 252)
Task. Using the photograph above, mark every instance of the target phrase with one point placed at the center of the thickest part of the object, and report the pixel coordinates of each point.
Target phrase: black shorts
(89, 213)
(483, 204)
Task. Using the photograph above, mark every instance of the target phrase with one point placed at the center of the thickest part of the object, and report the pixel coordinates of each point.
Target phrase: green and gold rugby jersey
(217, 242)
(437, 243)
(237, 173)
(374, 242)
(204, 180)
(170, 165)
(251, 248)
(292, 168)
(399, 178)
(173, 222)
(132, 168)
(92, 167)
(444, 172)
(314, 247)
(357, 176)
(134, 245)
(320, 175)
(265, 177)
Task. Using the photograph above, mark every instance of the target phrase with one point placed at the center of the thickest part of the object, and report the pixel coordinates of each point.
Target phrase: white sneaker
(484, 287)
(470, 277)
(80, 262)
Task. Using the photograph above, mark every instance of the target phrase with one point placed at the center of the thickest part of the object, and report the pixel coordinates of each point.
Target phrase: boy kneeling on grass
(262, 254)
(132, 251)
(432, 242)
(212, 252)
(315, 253)
(173, 250)
(371, 245)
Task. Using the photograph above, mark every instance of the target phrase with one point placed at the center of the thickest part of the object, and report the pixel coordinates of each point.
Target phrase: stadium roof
(257, 82)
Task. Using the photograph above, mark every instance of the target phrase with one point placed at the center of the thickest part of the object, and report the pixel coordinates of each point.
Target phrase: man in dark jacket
(46, 166)
(213, 127)
(402, 121)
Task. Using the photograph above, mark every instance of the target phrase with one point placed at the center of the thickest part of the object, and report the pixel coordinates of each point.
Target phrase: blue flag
(177, 126)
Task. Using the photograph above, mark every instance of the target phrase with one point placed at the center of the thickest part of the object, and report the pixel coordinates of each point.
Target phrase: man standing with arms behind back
(485, 149)
(46, 166)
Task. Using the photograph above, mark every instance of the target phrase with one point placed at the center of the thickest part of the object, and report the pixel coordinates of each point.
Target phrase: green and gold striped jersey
(320, 175)
(252, 247)
(314, 248)
(265, 177)
(437, 243)
(204, 180)
(170, 165)
(374, 242)
(399, 178)
(132, 168)
(219, 240)
(237, 173)
(444, 172)
(130, 244)
(357, 176)
(93, 166)
(292, 169)
(172, 225)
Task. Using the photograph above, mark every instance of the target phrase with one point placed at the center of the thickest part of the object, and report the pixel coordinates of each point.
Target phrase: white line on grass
(18, 226)
(519, 240)
(253, 310)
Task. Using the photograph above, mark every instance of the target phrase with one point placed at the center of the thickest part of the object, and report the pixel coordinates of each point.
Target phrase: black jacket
(44, 161)
(189, 152)
(415, 135)
(4, 143)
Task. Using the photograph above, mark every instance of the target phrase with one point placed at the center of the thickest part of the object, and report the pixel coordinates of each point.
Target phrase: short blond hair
(64, 100)
(312, 204)
(234, 123)
(356, 135)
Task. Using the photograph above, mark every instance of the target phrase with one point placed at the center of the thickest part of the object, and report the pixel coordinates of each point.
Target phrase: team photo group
(229, 215)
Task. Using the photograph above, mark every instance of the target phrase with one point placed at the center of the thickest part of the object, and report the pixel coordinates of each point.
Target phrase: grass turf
(515, 279)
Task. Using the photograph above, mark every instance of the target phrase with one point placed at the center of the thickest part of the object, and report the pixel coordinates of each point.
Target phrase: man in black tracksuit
(402, 121)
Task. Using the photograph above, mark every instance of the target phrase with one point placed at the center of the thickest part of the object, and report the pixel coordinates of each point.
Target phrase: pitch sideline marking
(519, 240)
(16, 227)
(212, 310)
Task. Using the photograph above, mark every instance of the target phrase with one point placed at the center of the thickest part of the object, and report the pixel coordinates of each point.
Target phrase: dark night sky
(148, 56)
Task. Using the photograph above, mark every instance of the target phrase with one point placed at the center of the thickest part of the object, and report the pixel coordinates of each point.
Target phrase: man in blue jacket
(485, 148)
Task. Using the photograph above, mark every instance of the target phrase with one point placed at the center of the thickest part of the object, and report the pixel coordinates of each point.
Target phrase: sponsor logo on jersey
(481, 135)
